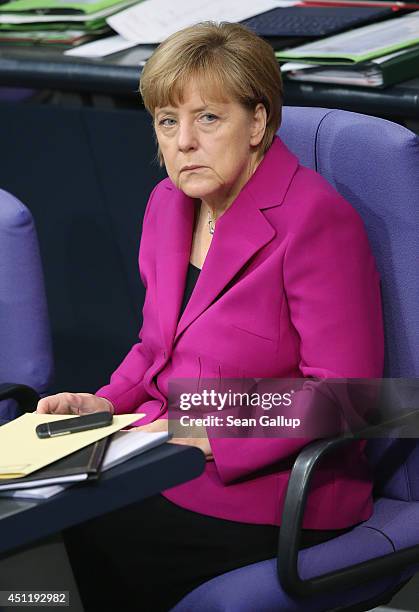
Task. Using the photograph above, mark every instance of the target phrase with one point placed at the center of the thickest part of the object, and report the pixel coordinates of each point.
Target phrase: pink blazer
(289, 288)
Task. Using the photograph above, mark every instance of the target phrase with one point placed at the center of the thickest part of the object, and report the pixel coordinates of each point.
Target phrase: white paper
(152, 21)
(102, 47)
(128, 444)
(34, 493)
(399, 31)
(31, 484)
(295, 66)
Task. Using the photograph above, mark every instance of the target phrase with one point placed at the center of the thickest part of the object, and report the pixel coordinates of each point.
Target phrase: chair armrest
(26, 397)
(289, 537)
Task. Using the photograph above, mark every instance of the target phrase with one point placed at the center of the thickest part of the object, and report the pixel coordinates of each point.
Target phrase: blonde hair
(226, 59)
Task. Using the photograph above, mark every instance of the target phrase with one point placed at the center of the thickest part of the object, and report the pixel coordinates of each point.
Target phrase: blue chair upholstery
(15, 94)
(374, 164)
(26, 349)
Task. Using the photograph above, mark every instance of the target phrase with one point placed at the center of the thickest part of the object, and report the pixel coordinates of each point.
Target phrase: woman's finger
(60, 403)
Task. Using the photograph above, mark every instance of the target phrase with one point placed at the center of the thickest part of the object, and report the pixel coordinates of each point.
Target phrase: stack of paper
(22, 452)
(151, 21)
(377, 72)
(35, 492)
(57, 22)
(124, 445)
(374, 56)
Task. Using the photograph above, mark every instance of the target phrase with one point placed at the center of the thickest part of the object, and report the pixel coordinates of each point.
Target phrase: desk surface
(43, 68)
(118, 75)
(25, 521)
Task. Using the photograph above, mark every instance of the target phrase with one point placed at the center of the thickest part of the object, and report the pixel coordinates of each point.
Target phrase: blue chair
(15, 94)
(374, 164)
(26, 363)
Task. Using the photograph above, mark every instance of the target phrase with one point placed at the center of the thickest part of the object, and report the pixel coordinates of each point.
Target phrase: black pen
(74, 425)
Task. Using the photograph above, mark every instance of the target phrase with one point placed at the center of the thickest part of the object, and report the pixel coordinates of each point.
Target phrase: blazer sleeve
(332, 288)
(126, 389)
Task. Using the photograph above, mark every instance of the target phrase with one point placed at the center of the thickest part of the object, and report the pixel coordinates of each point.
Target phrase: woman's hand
(202, 443)
(73, 403)
(162, 425)
(158, 425)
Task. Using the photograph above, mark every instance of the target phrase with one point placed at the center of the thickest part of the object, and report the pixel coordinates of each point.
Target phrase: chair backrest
(25, 341)
(374, 164)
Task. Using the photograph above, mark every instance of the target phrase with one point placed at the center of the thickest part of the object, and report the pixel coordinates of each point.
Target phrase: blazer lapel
(240, 233)
(173, 247)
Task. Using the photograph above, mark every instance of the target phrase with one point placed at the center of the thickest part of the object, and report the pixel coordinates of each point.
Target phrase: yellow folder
(22, 452)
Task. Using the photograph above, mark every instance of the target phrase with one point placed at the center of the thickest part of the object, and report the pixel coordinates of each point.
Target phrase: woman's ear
(259, 121)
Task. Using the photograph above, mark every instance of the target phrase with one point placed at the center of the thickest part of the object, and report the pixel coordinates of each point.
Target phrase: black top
(191, 278)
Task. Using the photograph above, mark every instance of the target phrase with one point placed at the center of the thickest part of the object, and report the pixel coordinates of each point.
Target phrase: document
(360, 44)
(124, 445)
(127, 444)
(377, 72)
(22, 452)
(103, 47)
(154, 20)
(35, 492)
(83, 464)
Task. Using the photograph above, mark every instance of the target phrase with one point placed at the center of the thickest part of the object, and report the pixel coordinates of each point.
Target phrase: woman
(253, 267)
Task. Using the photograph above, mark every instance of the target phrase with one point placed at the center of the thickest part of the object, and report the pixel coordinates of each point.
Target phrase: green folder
(89, 26)
(31, 14)
(51, 37)
(360, 44)
(59, 7)
(377, 72)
